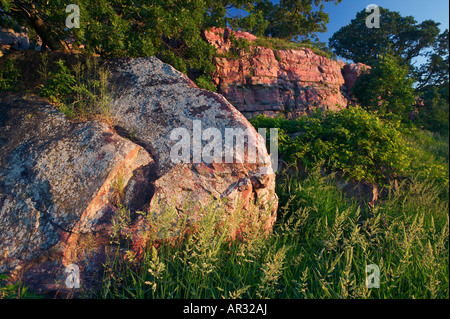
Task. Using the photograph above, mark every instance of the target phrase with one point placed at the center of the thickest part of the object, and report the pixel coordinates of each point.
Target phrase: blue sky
(343, 13)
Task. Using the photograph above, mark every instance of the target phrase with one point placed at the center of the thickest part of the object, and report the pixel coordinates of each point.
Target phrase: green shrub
(79, 92)
(239, 44)
(386, 89)
(206, 83)
(429, 154)
(9, 76)
(14, 290)
(354, 141)
(59, 84)
(434, 114)
(283, 44)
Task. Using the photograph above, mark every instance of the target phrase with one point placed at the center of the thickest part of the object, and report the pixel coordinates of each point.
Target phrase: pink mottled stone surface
(266, 81)
(58, 178)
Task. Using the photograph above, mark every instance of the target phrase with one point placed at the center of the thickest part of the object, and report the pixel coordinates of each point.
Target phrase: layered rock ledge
(272, 82)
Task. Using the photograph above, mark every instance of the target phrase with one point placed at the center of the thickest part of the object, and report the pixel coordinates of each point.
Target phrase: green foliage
(319, 248)
(239, 44)
(255, 22)
(391, 49)
(353, 141)
(59, 85)
(432, 85)
(205, 82)
(9, 76)
(170, 30)
(401, 35)
(14, 290)
(80, 92)
(429, 154)
(282, 44)
(386, 88)
(433, 115)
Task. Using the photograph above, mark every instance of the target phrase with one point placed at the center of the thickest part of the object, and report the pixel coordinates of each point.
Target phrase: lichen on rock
(63, 183)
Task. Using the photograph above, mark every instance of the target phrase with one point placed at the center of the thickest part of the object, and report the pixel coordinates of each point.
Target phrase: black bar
(212, 308)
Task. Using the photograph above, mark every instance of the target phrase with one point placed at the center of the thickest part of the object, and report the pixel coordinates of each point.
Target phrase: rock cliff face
(60, 181)
(266, 81)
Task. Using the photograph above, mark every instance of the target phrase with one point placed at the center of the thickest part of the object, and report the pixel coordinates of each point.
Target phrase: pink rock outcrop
(351, 72)
(221, 38)
(270, 82)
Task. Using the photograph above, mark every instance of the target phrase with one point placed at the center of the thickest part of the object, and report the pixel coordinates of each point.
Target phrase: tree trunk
(50, 36)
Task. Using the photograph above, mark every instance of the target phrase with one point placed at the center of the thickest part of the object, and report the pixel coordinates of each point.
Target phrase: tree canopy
(287, 19)
(386, 89)
(396, 83)
(435, 70)
(169, 29)
(403, 36)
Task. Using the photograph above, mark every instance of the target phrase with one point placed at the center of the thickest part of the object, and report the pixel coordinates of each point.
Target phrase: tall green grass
(282, 44)
(319, 248)
(79, 92)
(430, 154)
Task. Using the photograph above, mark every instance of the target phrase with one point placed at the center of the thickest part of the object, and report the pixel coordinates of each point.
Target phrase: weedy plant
(79, 92)
(9, 76)
(44, 67)
(118, 189)
(13, 290)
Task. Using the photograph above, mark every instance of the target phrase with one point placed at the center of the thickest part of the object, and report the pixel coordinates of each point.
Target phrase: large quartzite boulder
(61, 180)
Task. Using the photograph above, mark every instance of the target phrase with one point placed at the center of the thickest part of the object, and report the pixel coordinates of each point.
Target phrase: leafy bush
(206, 83)
(386, 88)
(429, 154)
(354, 141)
(9, 76)
(434, 114)
(59, 84)
(239, 44)
(79, 92)
(283, 44)
(169, 30)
